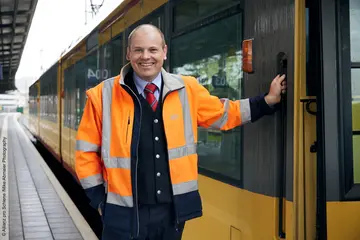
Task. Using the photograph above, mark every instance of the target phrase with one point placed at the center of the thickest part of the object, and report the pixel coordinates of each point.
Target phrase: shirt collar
(141, 84)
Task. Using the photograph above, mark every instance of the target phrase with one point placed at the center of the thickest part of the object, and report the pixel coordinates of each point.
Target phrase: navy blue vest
(154, 185)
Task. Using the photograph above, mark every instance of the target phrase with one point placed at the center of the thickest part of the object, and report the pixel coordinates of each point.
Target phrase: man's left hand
(278, 86)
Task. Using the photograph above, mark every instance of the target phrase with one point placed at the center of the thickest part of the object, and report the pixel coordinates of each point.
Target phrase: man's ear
(165, 51)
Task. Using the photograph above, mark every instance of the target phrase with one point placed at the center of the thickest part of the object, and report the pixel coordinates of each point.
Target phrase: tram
(292, 175)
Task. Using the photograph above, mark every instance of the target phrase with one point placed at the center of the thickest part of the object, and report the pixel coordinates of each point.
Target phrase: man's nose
(145, 54)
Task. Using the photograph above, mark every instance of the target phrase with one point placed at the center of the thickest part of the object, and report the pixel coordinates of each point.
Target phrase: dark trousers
(157, 222)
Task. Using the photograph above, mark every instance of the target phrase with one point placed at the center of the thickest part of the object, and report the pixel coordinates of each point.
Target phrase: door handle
(282, 65)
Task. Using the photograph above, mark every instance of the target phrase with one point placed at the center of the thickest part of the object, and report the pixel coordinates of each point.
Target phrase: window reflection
(93, 70)
(355, 77)
(106, 60)
(214, 58)
(355, 83)
(355, 30)
(80, 72)
(190, 11)
(117, 50)
(48, 92)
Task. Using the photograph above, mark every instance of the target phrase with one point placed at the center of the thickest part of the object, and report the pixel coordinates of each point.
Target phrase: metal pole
(85, 13)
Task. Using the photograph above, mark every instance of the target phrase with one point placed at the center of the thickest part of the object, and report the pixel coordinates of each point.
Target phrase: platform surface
(33, 203)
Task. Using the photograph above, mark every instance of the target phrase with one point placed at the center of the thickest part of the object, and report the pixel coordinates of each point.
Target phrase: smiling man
(136, 152)
(146, 52)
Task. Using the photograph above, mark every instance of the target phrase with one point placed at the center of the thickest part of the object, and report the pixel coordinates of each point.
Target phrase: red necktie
(149, 91)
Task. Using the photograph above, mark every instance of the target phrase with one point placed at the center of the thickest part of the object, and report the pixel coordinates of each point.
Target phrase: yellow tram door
(326, 120)
(306, 82)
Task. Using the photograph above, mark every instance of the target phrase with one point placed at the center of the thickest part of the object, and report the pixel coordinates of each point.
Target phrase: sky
(55, 26)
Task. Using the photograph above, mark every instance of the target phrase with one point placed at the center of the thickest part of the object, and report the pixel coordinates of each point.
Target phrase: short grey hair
(146, 25)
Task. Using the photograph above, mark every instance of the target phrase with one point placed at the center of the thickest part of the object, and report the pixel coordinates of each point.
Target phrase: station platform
(33, 205)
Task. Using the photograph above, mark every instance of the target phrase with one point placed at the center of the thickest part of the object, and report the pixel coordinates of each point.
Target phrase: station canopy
(15, 20)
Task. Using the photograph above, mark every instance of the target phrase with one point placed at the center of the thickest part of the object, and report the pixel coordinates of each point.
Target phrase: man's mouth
(146, 64)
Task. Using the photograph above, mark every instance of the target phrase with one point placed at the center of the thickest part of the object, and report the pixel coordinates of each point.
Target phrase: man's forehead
(148, 33)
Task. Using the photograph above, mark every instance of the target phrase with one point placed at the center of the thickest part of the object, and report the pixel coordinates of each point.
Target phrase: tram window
(355, 83)
(80, 90)
(355, 30)
(69, 82)
(214, 58)
(51, 79)
(106, 61)
(49, 97)
(355, 77)
(117, 52)
(44, 98)
(66, 96)
(189, 11)
(55, 88)
(49, 102)
(92, 67)
(72, 99)
(45, 101)
(41, 96)
(31, 100)
(41, 99)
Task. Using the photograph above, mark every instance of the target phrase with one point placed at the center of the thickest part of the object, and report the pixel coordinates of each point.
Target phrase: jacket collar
(171, 82)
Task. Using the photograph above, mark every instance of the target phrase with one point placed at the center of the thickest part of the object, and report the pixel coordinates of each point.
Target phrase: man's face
(146, 53)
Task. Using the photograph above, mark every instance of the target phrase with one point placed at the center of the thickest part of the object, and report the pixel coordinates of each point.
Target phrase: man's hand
(278, 86)
(99, 210)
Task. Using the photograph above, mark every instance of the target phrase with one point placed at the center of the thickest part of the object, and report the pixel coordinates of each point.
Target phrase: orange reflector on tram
(247, 51)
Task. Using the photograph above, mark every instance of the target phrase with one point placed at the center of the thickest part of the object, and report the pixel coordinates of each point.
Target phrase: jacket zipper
(137, 161)
(127, 128)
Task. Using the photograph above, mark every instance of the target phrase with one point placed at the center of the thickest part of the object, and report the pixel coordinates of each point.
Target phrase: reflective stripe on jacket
(107, 139)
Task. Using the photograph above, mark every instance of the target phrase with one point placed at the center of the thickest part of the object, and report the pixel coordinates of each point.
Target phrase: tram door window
(312, 49)
(355, 83)
(214, 57)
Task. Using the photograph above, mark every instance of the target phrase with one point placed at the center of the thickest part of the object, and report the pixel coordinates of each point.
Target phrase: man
(144, 123)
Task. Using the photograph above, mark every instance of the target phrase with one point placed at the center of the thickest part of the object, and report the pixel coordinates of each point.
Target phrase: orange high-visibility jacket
(106, 156)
